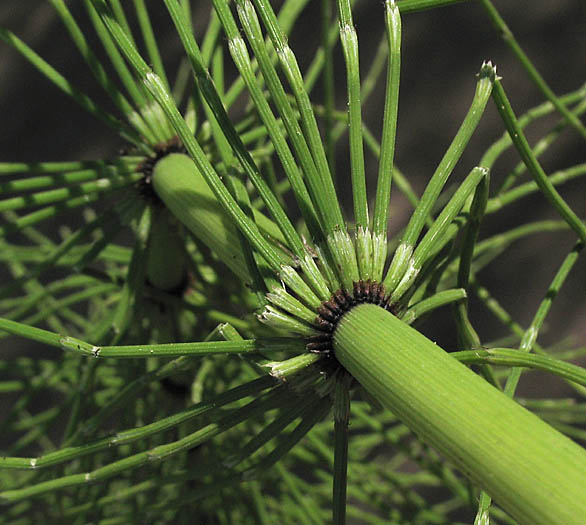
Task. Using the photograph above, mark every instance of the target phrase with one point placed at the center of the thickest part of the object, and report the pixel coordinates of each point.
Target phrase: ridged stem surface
(533, 472)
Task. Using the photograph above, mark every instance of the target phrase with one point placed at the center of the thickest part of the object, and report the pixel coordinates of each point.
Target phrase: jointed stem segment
(334, 318)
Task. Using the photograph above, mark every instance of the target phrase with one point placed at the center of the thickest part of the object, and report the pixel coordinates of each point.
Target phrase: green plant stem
(413, 6)
(530, 335)
(309, 125)
(328, 79)
(149, 40)
(349, 40)
(145, 351)
(314, 183)
(134, 434)
(213, 99)
(402, 257)
(158, 453)
(341, 419)
(437, 236)
(541, 179)
(98, 70)
(387, 148)
(82, 99)
(166, 267)
(538, 80)
(496, 443)
(559, 177)
(184, 191)
(60, 194)
(519, 358)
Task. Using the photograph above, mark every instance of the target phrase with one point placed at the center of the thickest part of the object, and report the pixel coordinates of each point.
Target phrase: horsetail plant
(201, 366)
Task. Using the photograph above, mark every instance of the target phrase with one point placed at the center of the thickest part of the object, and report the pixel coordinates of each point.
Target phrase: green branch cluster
(199, 366)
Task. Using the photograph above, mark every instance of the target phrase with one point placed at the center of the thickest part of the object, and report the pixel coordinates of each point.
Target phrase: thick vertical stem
(166, 267)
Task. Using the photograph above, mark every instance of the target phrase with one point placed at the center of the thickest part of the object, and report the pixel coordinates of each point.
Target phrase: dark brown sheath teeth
(331, 311)
(147, 166)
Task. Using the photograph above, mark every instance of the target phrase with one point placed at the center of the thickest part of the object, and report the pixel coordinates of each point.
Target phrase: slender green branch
(467, 335)
(242, 61)
(134, 434)
(501, 145)
(129, 304)
(12, 168)
(147, 457)
(145, 351)
(312, 414)
(509, 38)
(98, 70)
(387, 149)
(413, 6)
(431, 303)
(349, 40)
(519, 358)
(290, 412)
(48, 212)
(290, 11)
(319, 197)
(213, 99)
(559, 177)
(541, 179)
(309, 125)
(158, 91)
(81, 98)
(341, 421)
(55, 254)
(530, 335)
(150, 41)
(135, 91)
(329, 88)
(435, 239)
(57, 195)
(400, 261)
